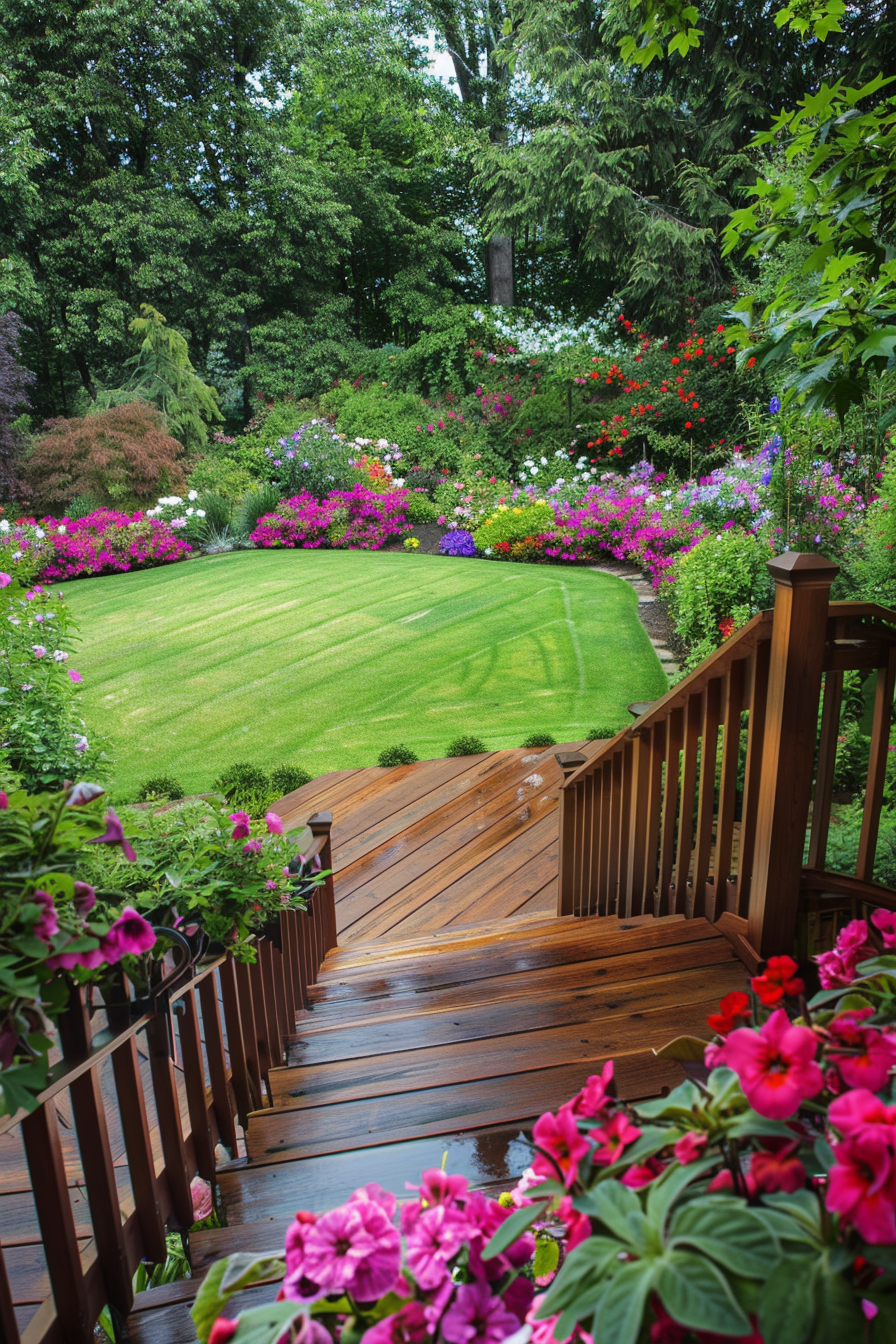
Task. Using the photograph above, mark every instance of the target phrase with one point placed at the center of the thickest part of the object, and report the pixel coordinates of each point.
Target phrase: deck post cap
(803, 569)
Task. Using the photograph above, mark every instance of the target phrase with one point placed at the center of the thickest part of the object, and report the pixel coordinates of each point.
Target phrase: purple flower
(5, 580)
(241, 825)
(774, 406)
(274, 823)
(75, 676)
(253, 847)
(457, 542)
(475, 1317)
(85, 898)
(38, 650)
(113, 835)
(48, 921)
(128, 937)
(84, 793)
(4, 801)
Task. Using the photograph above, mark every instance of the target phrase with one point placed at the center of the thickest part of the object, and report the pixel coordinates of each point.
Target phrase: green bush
(420, 509)
(843, 843)
(602, 733)
(378, 412)
(400, 755)
(159, 788)
(246, 786)
(270, 424)
(851, 765)
(442, 358)
(539, 740)
(220, 475)
(287, 778)
(466, 745)
(295, 357)
(514, 522)
(723, 577)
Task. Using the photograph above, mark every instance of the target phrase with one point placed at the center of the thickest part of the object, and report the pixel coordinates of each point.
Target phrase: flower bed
(356, 519)
(108, 542)
(756, 1202)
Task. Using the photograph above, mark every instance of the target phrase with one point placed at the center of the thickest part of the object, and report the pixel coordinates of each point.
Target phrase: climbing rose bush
(756, 1202)
(356, 519)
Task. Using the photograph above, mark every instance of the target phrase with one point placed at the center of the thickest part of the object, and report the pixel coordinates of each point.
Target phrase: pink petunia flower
(433, 1239)
(837, 968)
(592, 1101)
(4, 801)
(559, 1136)
(47, 923)
(775, 1167)
(274, 823)
(355, 1249)
(475, 1317)
(864, 1055)
(862, 1186)
(613, 1138)
(860, 1110)
(690, 1147)
(113, 834)
(5, 580)
(407, 1326)
(439, 1187)
(85, 898)
(578, 1225)
(242, 824)
(130, 935)
(885, 923)
(776, 1066)
(296, 1286)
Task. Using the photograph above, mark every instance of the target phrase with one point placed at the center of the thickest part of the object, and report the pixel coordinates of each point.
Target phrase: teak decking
(457, 1007)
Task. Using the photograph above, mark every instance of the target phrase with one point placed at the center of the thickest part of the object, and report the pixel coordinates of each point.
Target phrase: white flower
(398, 482)
(60, 656)
(200, 513)
(543, 461)
(39, 533)
(534, 471)
(37, 649)
(4, 525)
(487, 551)
(61, 530)
(190, 512)
(17, 555)
(14, 620)
(192, 494)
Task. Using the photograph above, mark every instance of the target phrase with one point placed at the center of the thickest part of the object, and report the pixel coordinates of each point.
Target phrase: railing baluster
(40, 1132)
(240, 1043)
(625, 814)
(731, 730)
(693, 716)
(9, 1329)
(877, 767)
(217, 1062)
(674, 736)
(639, 793)
(584, 791)
(260, 1017)
(615, 870)
(759, 670)
(138, 1147)
(706, 804)
(194, 1082)
(321, 824)
(606, 838)
(168, 1112)
(654, 804)
(824, 775)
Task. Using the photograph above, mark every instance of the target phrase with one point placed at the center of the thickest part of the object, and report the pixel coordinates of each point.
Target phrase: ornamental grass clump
(755, 1202)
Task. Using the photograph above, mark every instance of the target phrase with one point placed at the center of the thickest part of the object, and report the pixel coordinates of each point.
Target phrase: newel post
(802, 592)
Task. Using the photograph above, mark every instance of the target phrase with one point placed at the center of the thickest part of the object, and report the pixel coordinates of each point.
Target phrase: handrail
(223, 1021)
(702, 804)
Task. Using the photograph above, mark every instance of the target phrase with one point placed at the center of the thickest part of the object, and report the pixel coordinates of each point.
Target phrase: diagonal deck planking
(457, 1007)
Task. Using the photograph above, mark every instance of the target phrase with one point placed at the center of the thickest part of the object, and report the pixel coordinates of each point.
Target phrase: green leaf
(728, 1232)
(265, 1325)
(824, 1154)
(621, 1309)
(225, 1278)
(665, 1190)
(547, 1256)
(800, 1205)
(696, 1294)
(513, 1227)
(787, 1308)
(881, 343)
(681, 1099)
(580, 1276)
(840, 1315)
(612, 1203)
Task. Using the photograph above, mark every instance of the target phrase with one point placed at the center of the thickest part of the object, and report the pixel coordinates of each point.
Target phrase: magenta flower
(130, 935)
(84, 793)
(114, 832)
(433, 1237)
(837, 968)
(885, 923)
(863, 1055)
(475, 1317)
(85, 898)
(438, 1187)
(67, 961)
(860, 1110)
(274, 823)
(776, 1066)
(613, 1138)
(241, 826)
(353, 1249)
(5, 580)
(563, 1145)
(296, 1287)
(592, 1100)
(407, 1326)
(862, 1186)
(74, 676)
(690, 1147)
(4, 801)
(253, 847)
(48, 921)
(38, 650)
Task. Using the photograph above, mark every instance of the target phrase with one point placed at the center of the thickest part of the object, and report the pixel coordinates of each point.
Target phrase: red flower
(776, 1168)
(222, 1331)
(720, 327)
(726, 625)
(734, 1011)
(751, 361)
(776, 1066)
(777, 981)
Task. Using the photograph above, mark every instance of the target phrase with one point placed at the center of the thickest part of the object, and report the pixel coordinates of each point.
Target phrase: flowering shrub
(44, 738)
(756, 1202)
(108, 542)
(182, 515)
(514, 522)
(52, 930)
(457, 542)
(203, 866)
(357, 519)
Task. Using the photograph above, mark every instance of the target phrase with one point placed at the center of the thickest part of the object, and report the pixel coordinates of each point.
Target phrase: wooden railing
(702, 806)
(225, 1024)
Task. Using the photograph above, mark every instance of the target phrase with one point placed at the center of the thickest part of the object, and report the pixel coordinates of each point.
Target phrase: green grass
(322, 658)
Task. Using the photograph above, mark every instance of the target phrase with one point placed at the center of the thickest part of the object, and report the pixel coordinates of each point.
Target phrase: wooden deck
(449, 1047)
(432, 846)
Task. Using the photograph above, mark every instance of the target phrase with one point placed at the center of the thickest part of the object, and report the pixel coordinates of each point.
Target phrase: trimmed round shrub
(602, 733)
(466, 745)
(159, 788)
(245, 786)
(420, 510)
(539, 740)
(400, 755)
(287, 778)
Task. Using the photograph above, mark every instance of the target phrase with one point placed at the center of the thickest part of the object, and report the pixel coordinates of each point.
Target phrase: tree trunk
(499, 266)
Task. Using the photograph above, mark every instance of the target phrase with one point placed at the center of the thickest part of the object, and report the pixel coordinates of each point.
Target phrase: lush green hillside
(322, 658)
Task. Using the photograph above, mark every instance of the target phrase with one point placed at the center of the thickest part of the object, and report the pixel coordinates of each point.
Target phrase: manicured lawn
(323, 658)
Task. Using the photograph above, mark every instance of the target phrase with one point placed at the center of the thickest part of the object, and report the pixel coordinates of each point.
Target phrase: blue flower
(457, 542)
(774, 406)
